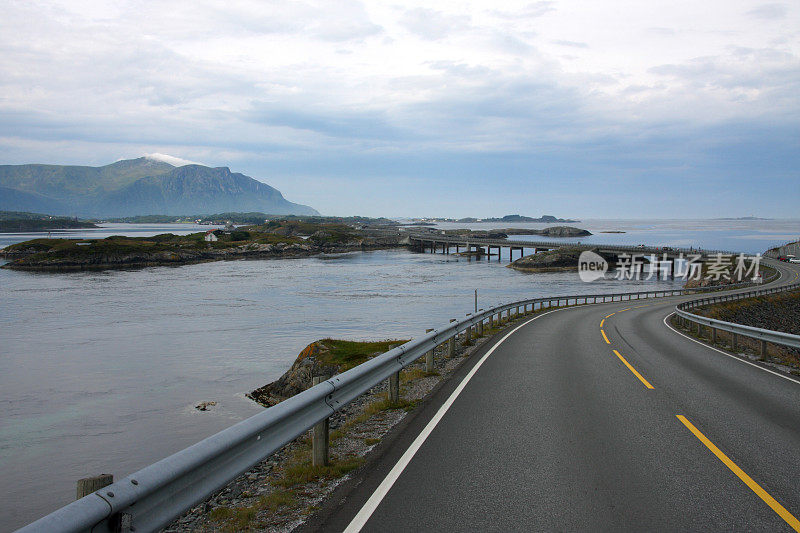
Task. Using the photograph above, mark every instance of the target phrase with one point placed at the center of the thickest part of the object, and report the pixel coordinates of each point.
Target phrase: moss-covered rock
(326, 357)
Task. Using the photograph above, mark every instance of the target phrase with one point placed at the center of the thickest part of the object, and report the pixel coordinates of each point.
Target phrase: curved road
(555, 427)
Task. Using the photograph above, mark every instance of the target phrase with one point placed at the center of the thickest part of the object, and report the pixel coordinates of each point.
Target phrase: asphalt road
(552, 427)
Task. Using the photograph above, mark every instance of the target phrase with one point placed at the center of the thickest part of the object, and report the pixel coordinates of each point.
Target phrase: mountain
(156, 184)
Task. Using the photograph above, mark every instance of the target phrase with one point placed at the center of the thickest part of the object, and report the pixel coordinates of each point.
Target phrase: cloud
(431, 24)
(309, 89)
(571, 44)
(531, 10)
(769, 12)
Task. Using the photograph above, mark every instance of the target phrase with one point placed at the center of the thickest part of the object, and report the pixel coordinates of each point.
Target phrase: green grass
(277, 499)
(234, 518)
(347, 354)
(305, 472)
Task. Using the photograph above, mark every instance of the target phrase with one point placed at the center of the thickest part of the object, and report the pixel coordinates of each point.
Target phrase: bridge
(476, 245)
(591, 412)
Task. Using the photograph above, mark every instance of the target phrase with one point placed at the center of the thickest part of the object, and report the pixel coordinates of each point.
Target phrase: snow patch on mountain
(171, 160)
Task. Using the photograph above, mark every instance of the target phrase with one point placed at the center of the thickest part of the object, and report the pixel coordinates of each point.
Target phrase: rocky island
(551, 231)
(560, 259)
(275, 239)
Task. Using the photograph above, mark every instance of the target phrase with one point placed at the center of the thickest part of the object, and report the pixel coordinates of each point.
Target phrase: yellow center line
(601, 323)
(621, 310)
(793, 522)
(635, 373)
(604, 336)
(612, 314)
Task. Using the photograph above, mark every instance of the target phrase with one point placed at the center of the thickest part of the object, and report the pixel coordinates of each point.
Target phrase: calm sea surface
(100, 371)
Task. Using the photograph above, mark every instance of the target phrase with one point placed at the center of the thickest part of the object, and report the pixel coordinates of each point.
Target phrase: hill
(14, 221)
(139, 186)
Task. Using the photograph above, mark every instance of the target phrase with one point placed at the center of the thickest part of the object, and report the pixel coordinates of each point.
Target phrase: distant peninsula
(23, 222)
(544, 219)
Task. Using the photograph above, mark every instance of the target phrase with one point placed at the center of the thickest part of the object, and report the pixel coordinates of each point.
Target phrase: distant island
(743, 218)
(151, 184)
(21, 221)
(551, 231)
(544, 219)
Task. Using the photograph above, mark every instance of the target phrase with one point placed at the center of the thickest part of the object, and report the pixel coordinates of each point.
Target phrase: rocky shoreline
(183, 257)
(287, 240)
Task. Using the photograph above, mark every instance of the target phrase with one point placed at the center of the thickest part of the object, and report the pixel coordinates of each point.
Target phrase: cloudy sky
(616, 109)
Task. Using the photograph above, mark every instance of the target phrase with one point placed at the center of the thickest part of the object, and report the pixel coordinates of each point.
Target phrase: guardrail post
(713, 335)
(429, 357)
(763, 349)
(451, 344)
(88, 485)
(480, 329)
(394, 388)
(734, 341)
(320, 434)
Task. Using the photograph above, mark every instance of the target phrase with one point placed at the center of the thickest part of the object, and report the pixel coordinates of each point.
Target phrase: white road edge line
(360, 520)
(726, 353)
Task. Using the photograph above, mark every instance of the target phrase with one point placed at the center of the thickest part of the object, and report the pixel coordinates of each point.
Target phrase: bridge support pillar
(320, 435)
(429, 357)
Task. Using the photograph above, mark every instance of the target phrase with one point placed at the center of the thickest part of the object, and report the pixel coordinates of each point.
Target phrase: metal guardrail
(151, 498)
(765, 335)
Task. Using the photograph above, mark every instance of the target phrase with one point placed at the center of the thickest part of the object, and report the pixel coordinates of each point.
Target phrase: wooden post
(713, 335)
(320, 435)
(734, 341)
(429, 357)
(763, 349)
(451, 344)
(89, 485)
(394, 388)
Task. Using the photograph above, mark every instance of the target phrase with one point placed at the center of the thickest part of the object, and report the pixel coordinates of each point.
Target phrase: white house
(210, 237)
